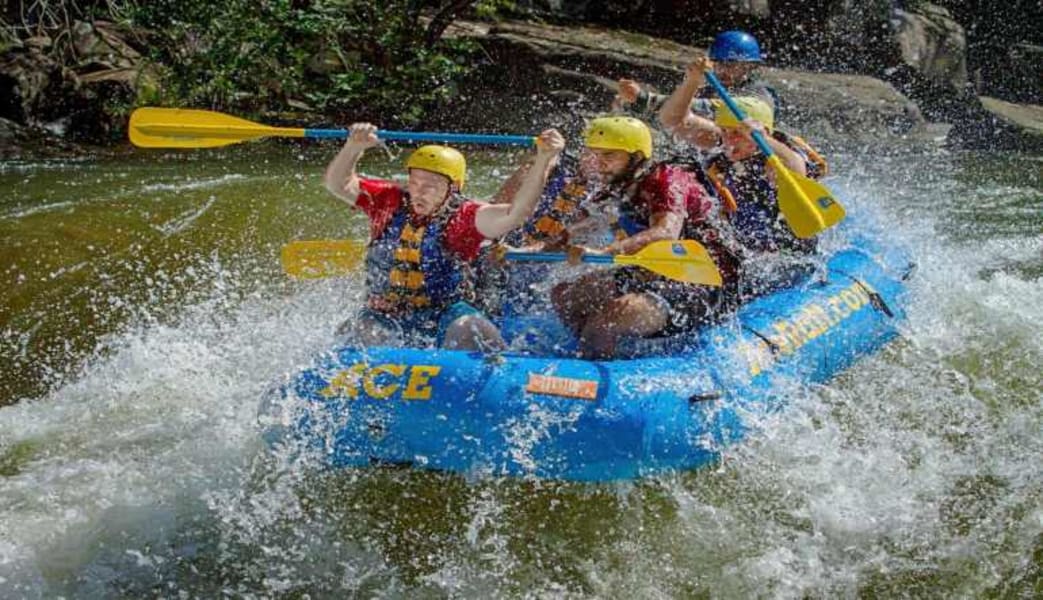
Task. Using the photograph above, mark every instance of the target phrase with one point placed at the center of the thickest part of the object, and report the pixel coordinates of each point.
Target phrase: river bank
(520, 76)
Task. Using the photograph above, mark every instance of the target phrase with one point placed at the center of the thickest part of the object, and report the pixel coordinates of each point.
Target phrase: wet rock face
(1024, 81)
(933, 43)
(1016, 126)
(30, 84)
(68, 87)
(834, 105)
(100, 44)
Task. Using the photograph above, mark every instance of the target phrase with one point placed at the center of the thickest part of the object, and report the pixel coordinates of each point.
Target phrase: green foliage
(351, 58)
(490, 9)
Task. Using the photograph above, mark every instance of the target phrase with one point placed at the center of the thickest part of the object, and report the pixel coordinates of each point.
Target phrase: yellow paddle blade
(807, 205)
(681, 260)
(188, 128)
(313, 259)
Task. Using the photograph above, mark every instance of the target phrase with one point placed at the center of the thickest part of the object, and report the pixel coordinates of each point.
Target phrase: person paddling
(423, 238)
(637, 202)
(746, 186)
(738, 58)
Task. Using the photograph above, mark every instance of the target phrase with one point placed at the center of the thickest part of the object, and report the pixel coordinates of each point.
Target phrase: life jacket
(626, 218)
(408, 266)
(751, 202)
(567, 202)
(560, 212)
(712, 229)
(816, 165)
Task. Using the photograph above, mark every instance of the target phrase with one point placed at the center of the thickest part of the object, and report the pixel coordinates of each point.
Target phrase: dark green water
(143, 313)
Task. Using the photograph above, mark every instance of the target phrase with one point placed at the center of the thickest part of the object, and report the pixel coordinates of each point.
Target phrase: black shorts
(686, 305)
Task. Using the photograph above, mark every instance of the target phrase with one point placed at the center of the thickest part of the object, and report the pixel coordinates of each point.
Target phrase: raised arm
(676, 114)
(341, 179)
(496, 220)
(511, 185)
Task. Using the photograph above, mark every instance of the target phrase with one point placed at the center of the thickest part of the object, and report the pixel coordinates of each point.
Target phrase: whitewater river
(143, 313)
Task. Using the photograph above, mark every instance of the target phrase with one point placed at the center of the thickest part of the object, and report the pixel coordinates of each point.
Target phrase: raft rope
(775, 348)
(875, 299)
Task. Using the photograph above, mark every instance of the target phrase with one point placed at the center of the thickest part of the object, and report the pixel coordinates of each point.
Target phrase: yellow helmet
(442, 160)
(755, 108)
(619, 133)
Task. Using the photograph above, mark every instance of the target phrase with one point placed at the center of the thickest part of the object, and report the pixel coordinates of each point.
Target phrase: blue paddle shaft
(428, 136)
(557, 257)
(732, 106)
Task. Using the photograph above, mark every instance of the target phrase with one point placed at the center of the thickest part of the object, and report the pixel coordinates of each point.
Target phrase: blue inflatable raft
(564, 418)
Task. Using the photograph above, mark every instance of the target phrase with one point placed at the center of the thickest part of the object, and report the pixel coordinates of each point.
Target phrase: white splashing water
(915, 473)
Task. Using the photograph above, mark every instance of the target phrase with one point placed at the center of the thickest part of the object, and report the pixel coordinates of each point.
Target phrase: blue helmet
(735, 46)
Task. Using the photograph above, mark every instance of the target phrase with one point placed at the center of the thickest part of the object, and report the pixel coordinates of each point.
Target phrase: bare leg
(638, 315)
(575, 301)
(473, 332)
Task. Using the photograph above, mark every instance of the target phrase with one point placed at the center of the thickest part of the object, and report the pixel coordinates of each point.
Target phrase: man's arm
(341, 179)
(496, 220)
(676, 114)
(512, 184)
(665, 226)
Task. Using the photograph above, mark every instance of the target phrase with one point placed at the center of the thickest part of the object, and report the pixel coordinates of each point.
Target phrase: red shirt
(670, 188)
(380, 199)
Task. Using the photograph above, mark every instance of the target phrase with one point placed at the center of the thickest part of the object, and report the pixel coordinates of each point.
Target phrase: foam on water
(915, 473)
(166, 416)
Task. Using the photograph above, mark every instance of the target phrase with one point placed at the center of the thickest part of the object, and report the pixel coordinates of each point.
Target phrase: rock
(101, 42)
(1017, 126)
(1024, 82)
(932, 43)
(1000, 37)
(19, 141)
(27, 79)
(10, 133)
(928, 63)
(74, 101)
(856, 107)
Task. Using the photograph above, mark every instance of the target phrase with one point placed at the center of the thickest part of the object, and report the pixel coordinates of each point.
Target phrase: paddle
(313, 259)
(808, 206)
(681, 260)
(187, 128)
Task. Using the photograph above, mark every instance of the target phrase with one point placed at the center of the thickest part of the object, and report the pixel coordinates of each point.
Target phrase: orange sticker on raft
(583, 389)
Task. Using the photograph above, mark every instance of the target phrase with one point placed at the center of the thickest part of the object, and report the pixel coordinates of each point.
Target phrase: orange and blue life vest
(560, 206)
(408, 266)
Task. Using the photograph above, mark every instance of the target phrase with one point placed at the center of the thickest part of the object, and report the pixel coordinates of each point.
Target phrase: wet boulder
(1015, 126)
(70, 85)
(933, 44)
(836, 105)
